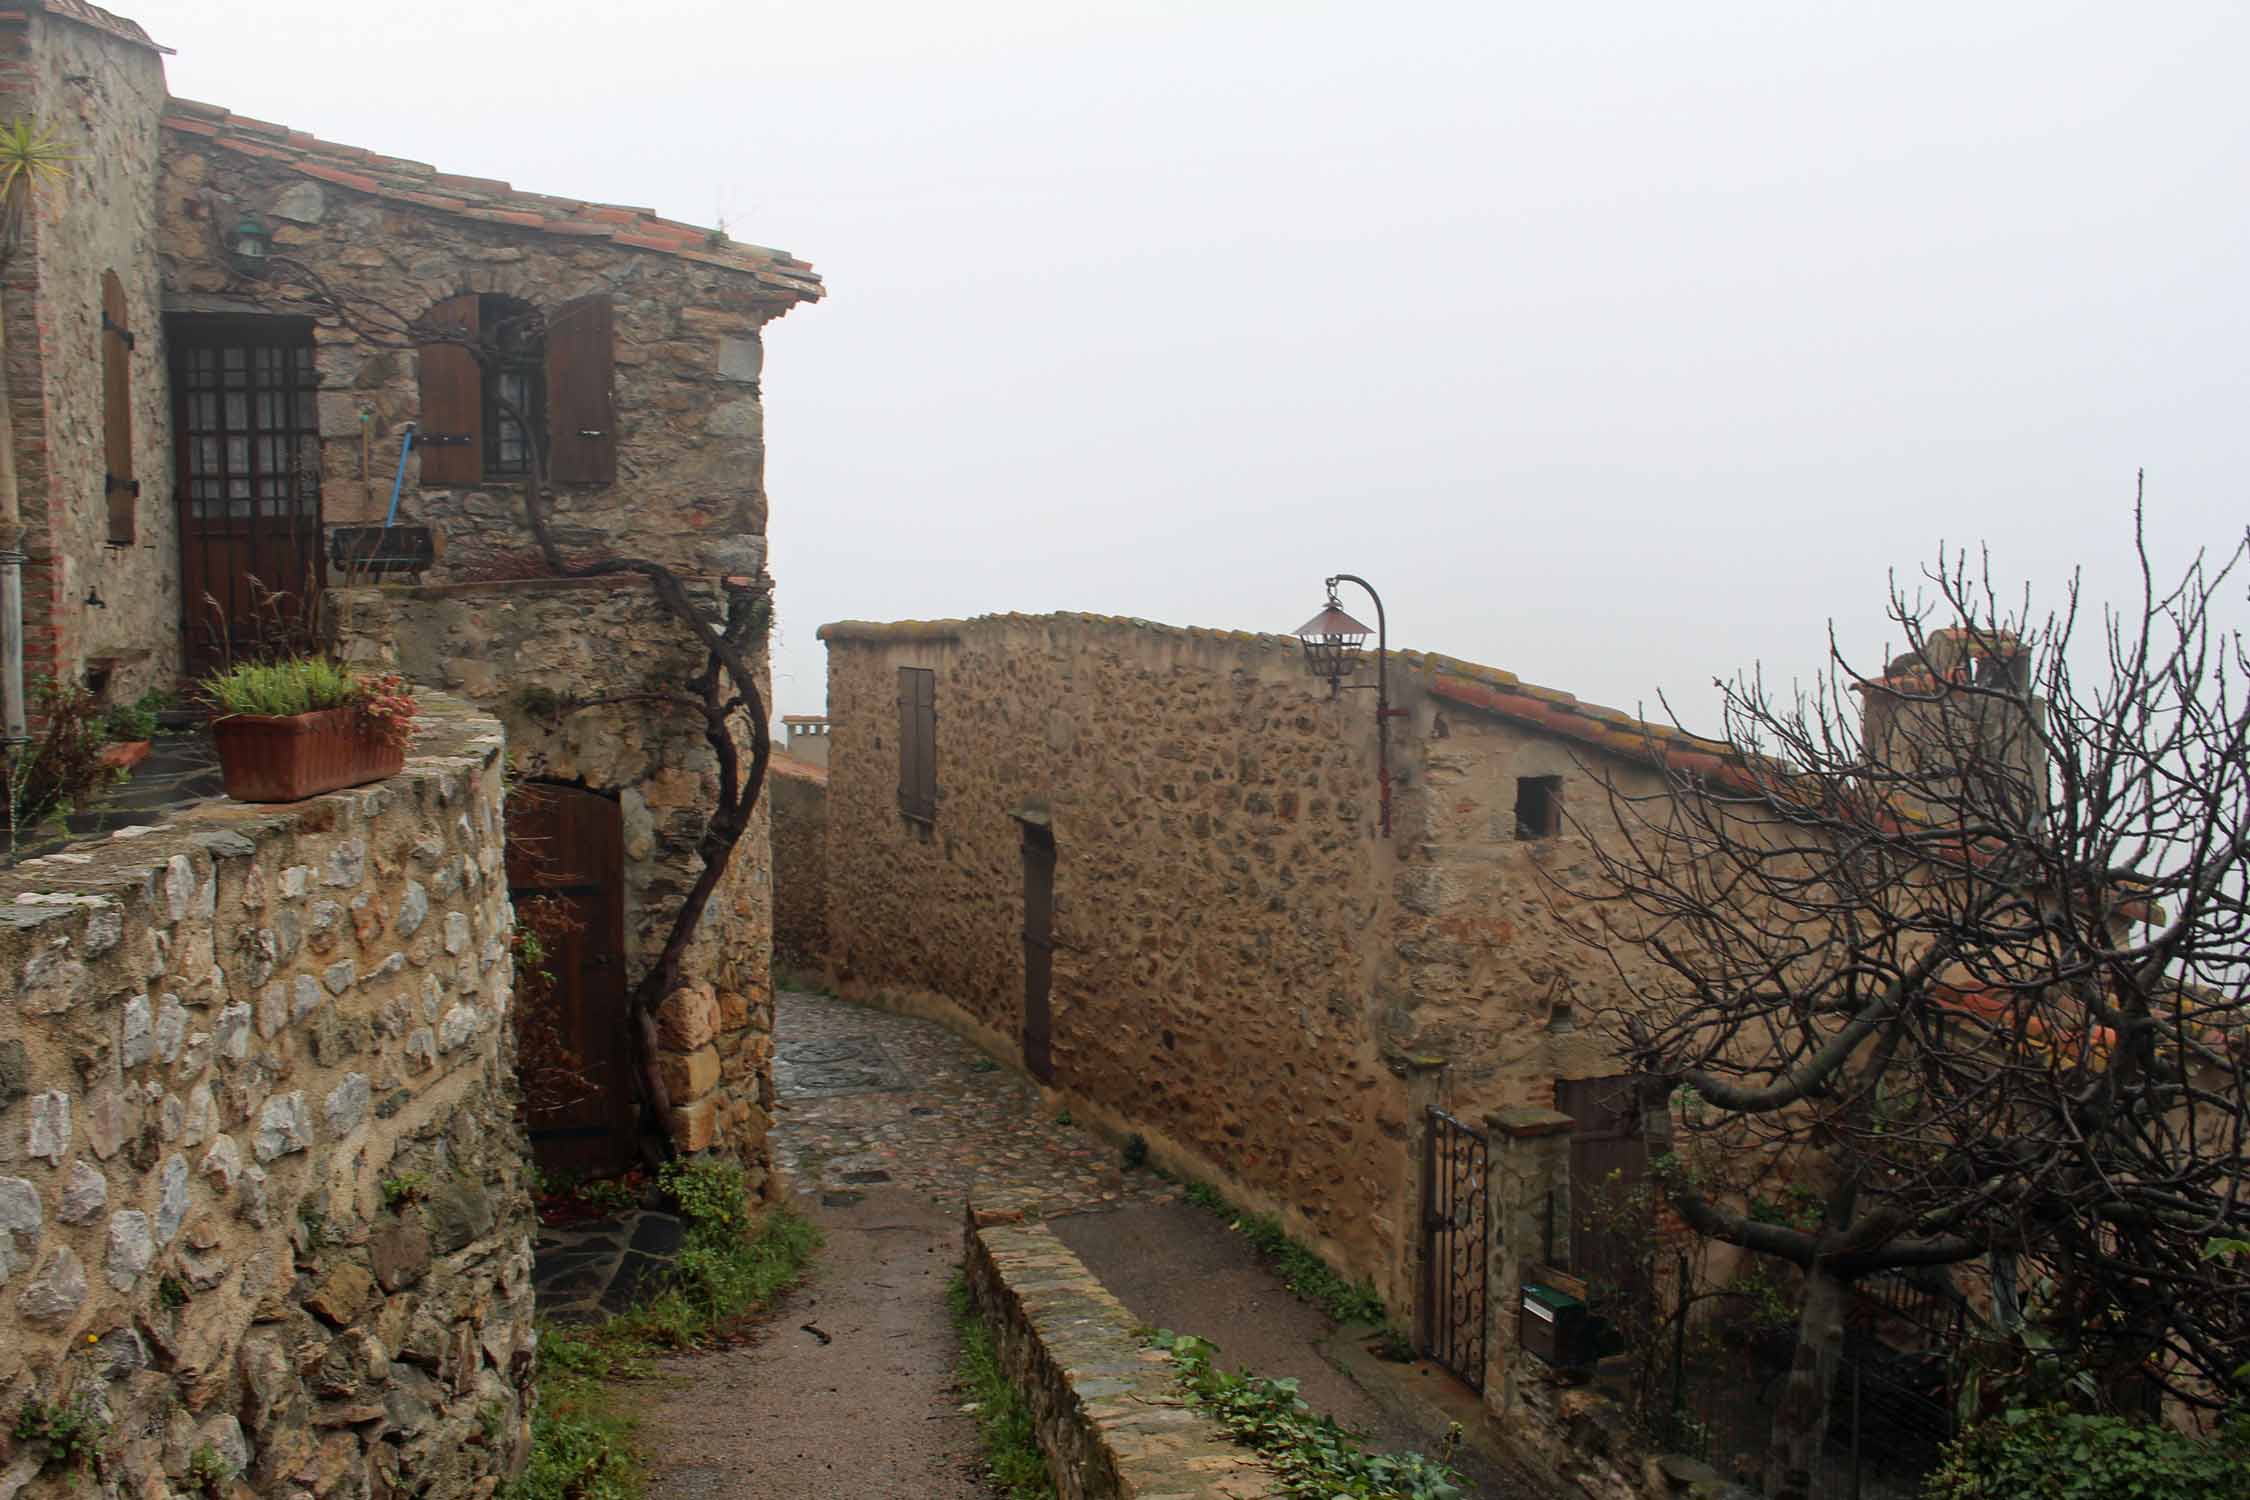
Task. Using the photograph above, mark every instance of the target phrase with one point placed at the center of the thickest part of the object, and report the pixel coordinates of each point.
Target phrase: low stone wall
(262, 1206)
(797, 797)
(1108, 1414)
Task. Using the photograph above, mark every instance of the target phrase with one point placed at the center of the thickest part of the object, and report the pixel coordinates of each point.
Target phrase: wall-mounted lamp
(248, 245)
(1333, 641)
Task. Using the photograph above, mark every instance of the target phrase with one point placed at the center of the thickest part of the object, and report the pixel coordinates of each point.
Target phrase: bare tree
(1969, 959)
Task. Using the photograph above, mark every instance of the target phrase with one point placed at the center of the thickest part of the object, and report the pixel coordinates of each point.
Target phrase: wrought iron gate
(1456, 1168)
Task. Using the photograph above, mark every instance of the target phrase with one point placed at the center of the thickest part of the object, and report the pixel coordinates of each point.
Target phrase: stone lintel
(1528, 1122)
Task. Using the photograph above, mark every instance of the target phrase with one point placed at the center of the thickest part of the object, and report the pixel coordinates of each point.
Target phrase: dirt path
(871, 1413)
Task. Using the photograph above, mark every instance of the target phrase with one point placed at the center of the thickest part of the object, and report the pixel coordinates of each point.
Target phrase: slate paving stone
(586, 1271)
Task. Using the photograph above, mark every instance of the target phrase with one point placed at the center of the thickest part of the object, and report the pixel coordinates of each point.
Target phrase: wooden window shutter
(449, 433)
(120, 489)
(917, 743)
(581, 408)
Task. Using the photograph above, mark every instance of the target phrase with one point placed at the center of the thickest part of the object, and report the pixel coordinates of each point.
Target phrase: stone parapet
(262, 1199)
(1109, 1416)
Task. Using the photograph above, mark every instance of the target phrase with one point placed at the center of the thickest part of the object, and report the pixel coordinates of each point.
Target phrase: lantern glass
(1333, 641)
(250, 240)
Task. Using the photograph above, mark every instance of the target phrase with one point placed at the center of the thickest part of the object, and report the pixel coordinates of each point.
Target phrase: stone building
(1145, 863)
(220, 334)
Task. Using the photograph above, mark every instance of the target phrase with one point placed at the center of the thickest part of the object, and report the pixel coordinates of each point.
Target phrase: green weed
(1300, 1270)
(1012, 1460)
(75, 1434)
(1317, 1458)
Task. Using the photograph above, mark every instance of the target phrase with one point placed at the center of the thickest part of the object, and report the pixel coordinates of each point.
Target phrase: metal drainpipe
(17, 726)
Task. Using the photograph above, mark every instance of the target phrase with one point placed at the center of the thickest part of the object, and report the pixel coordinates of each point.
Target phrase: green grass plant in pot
(290, 729)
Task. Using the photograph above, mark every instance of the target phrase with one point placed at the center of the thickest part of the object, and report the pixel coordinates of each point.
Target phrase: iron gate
(1456, 1168)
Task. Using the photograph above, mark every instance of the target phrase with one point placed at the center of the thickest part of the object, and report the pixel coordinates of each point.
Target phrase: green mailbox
(1555, 1326)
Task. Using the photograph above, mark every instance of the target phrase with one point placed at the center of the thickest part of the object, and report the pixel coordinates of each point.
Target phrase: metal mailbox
(1555, 1326)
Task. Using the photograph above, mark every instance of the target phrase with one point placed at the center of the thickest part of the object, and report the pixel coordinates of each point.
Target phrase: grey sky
(1621, 344)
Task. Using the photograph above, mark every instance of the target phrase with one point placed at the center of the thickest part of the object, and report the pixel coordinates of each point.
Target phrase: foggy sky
(1621, 345)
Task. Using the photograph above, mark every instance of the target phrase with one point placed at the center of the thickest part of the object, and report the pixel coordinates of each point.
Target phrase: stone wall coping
(450, 738)
(609, 583)
(1529, 1122)
(1109, 1414)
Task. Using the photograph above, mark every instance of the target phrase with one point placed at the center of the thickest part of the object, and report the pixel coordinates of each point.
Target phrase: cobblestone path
(885, 1127)
(868, 1098)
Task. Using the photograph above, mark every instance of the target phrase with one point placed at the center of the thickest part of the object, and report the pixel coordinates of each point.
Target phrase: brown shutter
(118, 484)
(581, 411)
(449, 434)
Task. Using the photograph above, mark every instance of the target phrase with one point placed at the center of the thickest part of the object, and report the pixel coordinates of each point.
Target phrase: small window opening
(515, 382)
(1538, 807)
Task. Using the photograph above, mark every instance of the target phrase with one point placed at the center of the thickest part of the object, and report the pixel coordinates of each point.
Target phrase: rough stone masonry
(262, 1199)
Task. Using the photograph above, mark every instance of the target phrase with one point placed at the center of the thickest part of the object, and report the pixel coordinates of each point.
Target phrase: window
(917, 743)
(514, 384)
(1538, 807)
(121, 491)
(544, 379)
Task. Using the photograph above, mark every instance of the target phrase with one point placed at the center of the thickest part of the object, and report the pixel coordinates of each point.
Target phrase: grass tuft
(1012, 1460)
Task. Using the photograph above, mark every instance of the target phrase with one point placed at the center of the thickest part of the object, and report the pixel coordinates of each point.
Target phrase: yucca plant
(30, 155)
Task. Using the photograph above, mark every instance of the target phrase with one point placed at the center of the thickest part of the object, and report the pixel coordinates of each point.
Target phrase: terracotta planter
(123, 755)
(290, 759)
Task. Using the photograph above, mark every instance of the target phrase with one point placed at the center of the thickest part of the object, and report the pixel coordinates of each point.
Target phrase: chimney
(1952, 725)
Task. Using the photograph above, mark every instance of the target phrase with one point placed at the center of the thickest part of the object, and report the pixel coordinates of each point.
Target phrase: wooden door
(1610, 1217)
(247, 441)
(1038, 951)
(566, 857)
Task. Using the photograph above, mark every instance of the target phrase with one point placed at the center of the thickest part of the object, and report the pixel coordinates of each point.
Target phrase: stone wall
(1483, 967)
(519, 651)
(261, 1181)
(100, 96)
(1244, 971)
(1218, 898)
(797, 795)
(1106, 1409)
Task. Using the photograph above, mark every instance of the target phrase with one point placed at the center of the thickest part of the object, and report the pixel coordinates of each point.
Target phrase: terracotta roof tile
(486, 199)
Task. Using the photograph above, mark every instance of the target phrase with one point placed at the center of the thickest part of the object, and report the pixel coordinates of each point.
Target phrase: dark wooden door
(1038, 951)
(566, 857)
(247, 440)
(1610, 1214)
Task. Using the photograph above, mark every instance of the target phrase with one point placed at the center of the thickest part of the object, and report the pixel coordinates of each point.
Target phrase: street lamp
(1333, 641)
(248, 245)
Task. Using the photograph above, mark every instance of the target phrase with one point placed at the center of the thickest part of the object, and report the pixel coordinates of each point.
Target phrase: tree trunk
(1800, 1419)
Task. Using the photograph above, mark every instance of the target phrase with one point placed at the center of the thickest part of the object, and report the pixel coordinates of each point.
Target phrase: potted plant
(290, 729)
(130, 727)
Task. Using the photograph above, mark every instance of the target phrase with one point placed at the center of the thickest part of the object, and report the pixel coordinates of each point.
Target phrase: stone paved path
(870, 1098)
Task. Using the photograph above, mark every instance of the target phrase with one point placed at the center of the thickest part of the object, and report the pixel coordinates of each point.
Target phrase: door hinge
(111, 325)
(111, 484)
(440, 439)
